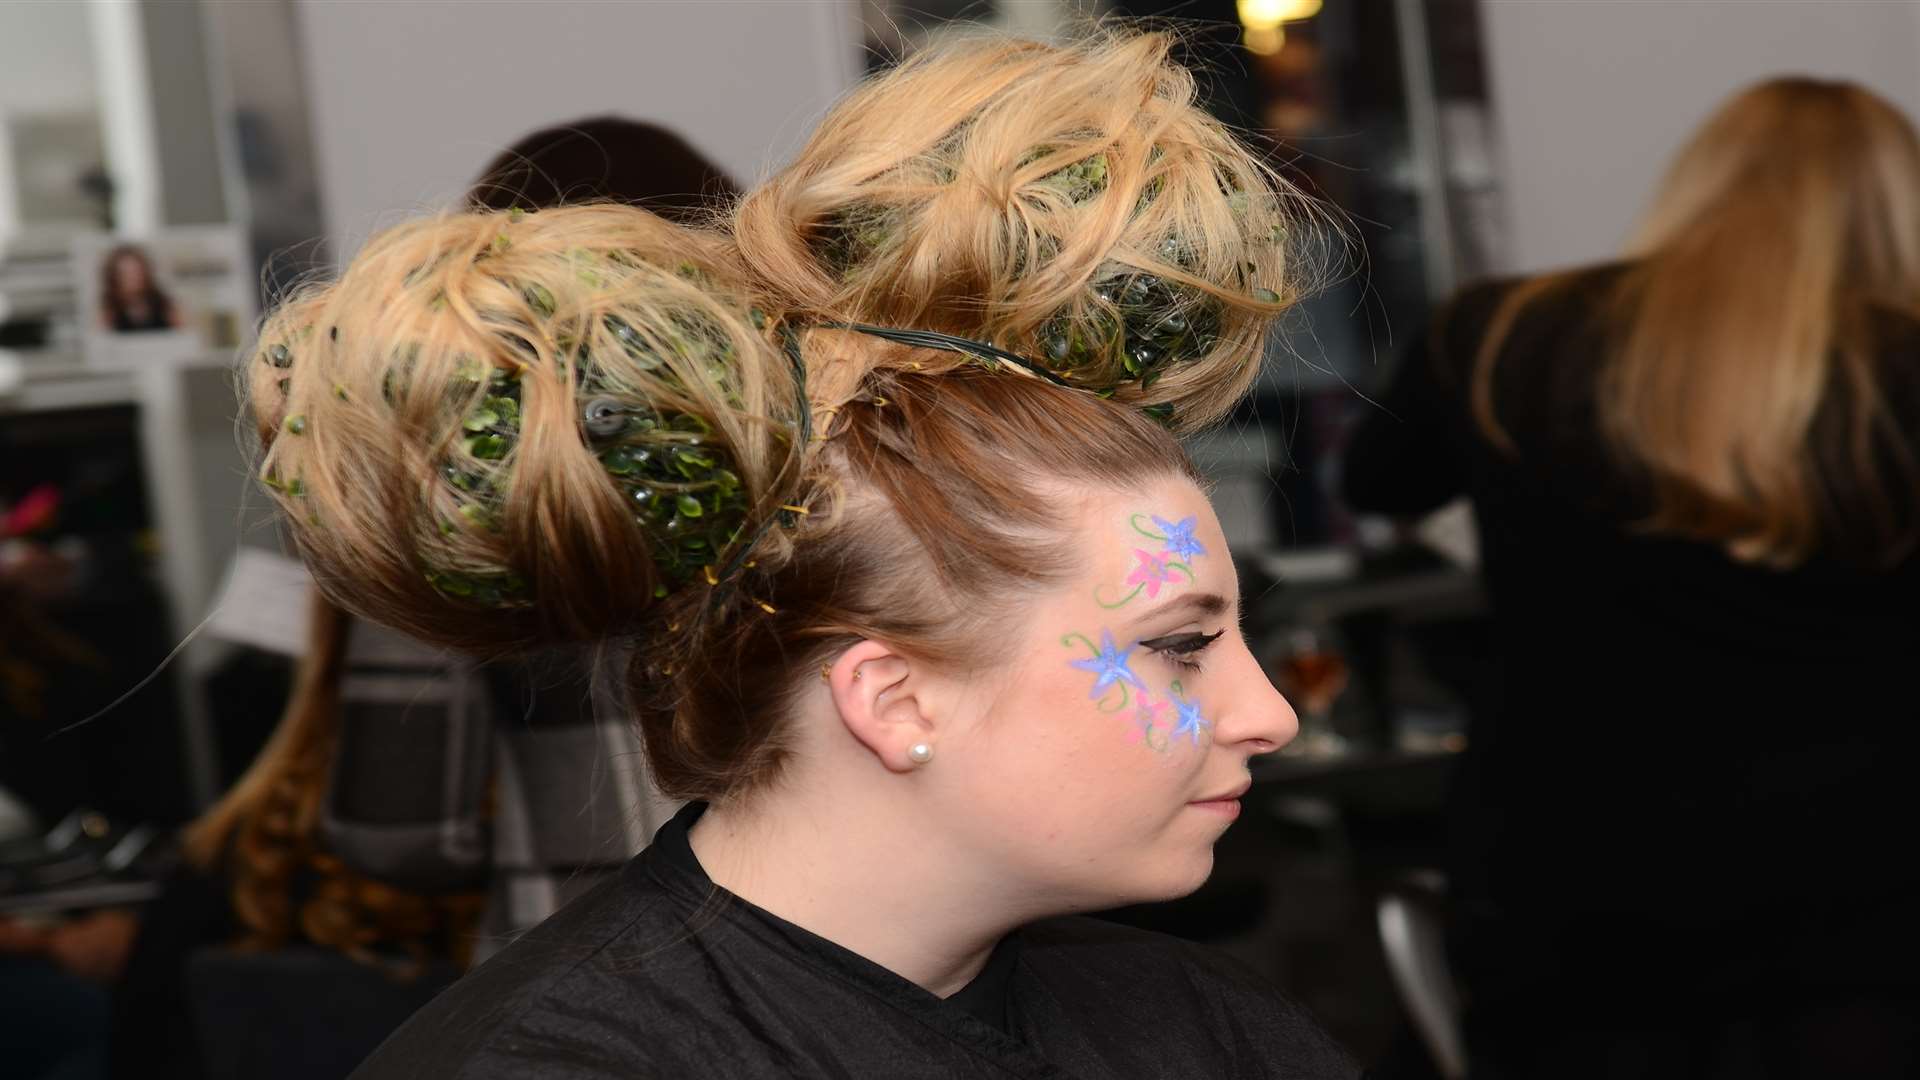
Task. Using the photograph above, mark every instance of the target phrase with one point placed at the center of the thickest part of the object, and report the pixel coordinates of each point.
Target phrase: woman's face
(1104, 766)
(129, 274)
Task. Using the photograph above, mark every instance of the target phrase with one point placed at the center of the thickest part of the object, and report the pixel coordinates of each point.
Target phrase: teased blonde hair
(1748, 314)
(587, 423)
(1011, 191)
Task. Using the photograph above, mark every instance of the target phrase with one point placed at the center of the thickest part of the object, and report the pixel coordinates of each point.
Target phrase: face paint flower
(1109, 664)
(1188, 719)
(1147, 714)
(1181, 543)
(1151, 572)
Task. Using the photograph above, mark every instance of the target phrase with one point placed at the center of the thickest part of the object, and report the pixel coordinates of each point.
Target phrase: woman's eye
(1182, 649)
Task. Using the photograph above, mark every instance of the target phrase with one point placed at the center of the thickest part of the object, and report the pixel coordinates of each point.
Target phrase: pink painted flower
(1151, 572)
(1147, 714)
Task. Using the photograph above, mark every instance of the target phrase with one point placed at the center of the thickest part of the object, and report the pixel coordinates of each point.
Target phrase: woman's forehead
(1152, 557)
(1169, 517)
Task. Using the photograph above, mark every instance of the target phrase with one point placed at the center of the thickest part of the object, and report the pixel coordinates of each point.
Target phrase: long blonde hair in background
(1790, 215)
(263, 836)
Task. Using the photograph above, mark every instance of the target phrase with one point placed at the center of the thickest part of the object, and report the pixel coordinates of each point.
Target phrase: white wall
(46, 56)
(412, 97)
(194, 170)
(46, 65)
(1591, 97)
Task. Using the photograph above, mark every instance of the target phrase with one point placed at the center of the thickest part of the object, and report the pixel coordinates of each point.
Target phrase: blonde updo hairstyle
(497, 431)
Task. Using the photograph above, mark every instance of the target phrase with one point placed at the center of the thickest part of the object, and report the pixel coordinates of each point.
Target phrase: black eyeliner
(1183, 644)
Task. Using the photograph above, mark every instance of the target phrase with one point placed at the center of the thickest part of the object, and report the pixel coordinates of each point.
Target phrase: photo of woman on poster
(131, 300)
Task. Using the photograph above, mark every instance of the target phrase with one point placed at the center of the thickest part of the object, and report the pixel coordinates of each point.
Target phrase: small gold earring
(824, 672)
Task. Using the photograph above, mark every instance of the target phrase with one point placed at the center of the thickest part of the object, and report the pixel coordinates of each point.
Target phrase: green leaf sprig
(682, 489)
(489, 432)
(679, 481)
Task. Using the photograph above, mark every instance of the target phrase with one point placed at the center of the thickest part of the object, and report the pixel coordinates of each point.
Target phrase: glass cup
(1313, 674)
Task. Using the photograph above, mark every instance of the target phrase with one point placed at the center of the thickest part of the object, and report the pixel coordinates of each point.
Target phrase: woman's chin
(1172, 878)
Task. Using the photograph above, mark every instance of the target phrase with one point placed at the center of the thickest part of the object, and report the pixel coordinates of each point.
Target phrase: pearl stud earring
(920, 753)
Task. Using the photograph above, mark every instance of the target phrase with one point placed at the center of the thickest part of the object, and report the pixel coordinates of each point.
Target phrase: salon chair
(1409, 913)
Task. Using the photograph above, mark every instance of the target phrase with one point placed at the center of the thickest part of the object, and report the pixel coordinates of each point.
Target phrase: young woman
(131, 299)
(939, 635)
(1698, 487)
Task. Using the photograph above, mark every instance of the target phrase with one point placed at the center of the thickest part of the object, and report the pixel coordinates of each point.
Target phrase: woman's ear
(876, 694)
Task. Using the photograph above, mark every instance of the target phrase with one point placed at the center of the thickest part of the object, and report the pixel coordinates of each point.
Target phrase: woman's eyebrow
(1199, 603)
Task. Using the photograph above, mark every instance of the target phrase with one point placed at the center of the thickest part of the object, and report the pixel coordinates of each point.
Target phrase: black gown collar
(671, 861)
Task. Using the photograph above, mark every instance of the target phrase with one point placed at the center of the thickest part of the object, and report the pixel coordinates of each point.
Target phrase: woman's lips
(1229, 808)
(1226, 803)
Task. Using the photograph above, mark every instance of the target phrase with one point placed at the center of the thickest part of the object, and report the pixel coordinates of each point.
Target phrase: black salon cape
(659, 973)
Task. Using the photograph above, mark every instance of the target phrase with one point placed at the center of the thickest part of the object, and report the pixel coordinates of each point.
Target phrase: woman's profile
(929, 615)
(131, 300)
(1697, 481)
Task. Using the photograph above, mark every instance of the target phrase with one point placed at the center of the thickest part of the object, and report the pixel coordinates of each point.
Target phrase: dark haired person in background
(131, 299)
(1696, 475)
(606, 158)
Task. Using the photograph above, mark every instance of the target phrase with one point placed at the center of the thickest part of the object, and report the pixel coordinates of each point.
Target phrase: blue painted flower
(1187, 719)
(1180, 540)
(1110, 665)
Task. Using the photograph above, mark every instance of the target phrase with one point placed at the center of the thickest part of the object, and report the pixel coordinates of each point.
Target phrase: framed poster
(181, 296)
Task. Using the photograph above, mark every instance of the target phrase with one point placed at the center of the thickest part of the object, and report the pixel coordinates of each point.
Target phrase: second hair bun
(1075, 206)
(581, 406)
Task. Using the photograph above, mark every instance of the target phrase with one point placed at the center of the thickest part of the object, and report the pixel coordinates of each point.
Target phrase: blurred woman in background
(131, 299)
(1697, 484)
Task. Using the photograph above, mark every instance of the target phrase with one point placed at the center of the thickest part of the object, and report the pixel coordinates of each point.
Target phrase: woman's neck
(860, 875)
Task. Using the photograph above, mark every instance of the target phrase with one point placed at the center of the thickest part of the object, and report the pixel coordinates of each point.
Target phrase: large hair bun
(1072, 205)
(500, 429)
(579, 405)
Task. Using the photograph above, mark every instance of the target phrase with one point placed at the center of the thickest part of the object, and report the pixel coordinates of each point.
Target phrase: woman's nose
(1257, 718)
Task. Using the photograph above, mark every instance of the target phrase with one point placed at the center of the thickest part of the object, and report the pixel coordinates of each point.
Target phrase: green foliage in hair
(1142, 320)
(850, 236)
(488, 434)
(681, 487)
(679, 482)
(1080, 182)
(1131, 327)
(483, 589)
